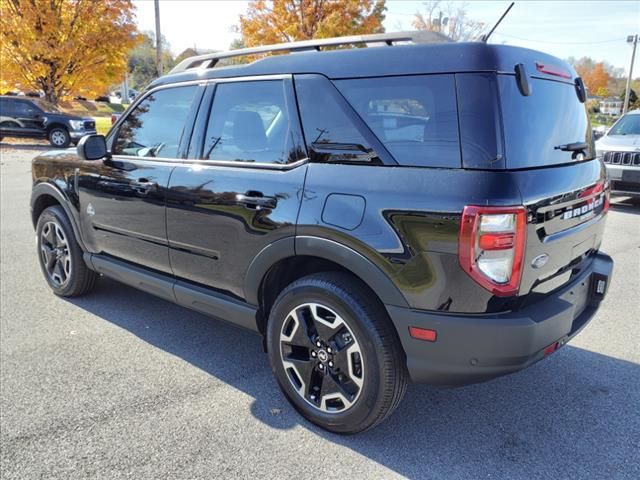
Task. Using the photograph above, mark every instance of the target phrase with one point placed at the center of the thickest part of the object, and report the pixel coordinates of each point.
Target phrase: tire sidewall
(57, 215)
(64, 131)
(361, 327)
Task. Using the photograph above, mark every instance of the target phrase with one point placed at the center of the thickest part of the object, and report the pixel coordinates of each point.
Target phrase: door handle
(143, 185)
(256, 202)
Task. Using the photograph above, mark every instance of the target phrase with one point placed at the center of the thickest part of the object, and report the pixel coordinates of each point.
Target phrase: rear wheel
(59, 137)
(335, 353)
(60, 255)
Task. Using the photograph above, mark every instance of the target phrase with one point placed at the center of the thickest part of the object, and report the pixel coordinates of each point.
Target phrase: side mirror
(92, 147)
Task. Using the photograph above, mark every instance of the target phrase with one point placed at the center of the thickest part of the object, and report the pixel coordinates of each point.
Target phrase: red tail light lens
(491, 247)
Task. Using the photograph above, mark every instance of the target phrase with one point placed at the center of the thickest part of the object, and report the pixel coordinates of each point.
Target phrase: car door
(122, 198)
(29, 118)
(241, 189)
(11, 112)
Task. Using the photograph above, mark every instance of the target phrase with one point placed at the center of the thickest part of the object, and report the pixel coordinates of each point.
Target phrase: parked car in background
(35, 118)
(620, 150)
(411, 212)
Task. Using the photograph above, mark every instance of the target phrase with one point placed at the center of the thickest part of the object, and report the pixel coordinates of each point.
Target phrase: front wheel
(335, 353)
(59, 137)
(60, 255)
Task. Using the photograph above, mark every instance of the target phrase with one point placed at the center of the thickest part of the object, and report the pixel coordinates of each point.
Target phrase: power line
(560, 43)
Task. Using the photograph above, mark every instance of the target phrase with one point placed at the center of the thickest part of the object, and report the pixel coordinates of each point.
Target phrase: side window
(329, 131)
(250, 122)
(6, 107)
(415, 117)
(155, 126)
(23, 109)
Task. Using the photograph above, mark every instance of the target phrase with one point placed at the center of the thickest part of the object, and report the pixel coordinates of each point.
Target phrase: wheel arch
(288, 259)
(57, 124)
(45, 195)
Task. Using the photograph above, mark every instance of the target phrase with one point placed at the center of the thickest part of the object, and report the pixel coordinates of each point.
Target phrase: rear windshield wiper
(572, 147)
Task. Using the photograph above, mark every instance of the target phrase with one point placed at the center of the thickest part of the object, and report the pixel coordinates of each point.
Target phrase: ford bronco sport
(424, 212)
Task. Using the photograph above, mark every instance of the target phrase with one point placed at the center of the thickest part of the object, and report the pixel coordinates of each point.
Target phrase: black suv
(430, 212)
(35, 118)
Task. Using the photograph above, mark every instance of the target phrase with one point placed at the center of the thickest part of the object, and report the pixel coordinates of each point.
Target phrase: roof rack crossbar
(209, 60)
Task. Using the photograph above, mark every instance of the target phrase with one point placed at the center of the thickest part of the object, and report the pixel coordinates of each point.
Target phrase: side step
(196, 298)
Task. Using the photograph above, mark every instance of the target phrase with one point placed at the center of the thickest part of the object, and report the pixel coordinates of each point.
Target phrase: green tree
(142, 61)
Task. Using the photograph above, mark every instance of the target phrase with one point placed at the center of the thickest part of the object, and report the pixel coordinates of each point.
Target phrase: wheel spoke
(48, 234)
(48, 257)
(58, 270)
(299, 372)
(296, 332)
(325, 322)
(332, 390)
(60, 239)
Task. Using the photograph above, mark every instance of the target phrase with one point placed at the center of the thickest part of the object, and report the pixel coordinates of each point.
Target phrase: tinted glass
(249, 122)
(323, 119)
(549, 117)
(155, 126)
(415, 117)
(6, 107)
(479, 112)
(627, 125)
(24, 109)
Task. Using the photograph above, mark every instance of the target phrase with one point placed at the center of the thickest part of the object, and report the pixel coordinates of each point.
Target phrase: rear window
(551, 116)
(415, 117)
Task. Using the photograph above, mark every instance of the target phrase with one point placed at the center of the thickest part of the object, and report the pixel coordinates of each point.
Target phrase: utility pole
(158, 38)
(630, 39)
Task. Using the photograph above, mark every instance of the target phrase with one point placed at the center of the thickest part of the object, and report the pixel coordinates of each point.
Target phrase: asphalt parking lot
(119, 384)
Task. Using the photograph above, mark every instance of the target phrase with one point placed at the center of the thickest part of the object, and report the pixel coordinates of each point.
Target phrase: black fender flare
(45, 188)
(327, 249)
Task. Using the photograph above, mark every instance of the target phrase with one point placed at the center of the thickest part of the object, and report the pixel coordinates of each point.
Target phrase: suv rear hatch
(549, 148)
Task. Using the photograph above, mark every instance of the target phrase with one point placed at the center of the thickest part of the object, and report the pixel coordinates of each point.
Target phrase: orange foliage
(276, 21)
(65, 47)
(595, 78)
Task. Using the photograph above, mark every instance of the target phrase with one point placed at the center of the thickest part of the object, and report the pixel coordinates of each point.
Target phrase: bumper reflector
(425, 334)
(550, 349)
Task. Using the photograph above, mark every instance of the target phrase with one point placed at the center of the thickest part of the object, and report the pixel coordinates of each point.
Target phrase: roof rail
(209, 60)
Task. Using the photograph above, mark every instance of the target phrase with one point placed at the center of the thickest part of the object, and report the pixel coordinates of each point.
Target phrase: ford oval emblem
(540, 261)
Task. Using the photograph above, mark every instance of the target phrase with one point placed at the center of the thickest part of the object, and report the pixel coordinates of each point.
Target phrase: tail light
(491, 247)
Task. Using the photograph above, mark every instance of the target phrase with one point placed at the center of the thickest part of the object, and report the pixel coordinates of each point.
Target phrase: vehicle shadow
(625, 205)
(574, 415)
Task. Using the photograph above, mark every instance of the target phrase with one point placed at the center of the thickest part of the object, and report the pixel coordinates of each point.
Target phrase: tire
(60, 255)
(59, 137)
(363, 377)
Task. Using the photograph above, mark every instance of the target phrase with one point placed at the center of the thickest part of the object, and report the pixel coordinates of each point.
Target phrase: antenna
(486, 37)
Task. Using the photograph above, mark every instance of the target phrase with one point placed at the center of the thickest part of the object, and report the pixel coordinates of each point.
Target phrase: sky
(597, 29)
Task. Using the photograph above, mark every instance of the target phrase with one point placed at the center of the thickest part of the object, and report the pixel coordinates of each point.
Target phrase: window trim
(112, 136)
(196, 147)
(196, 129)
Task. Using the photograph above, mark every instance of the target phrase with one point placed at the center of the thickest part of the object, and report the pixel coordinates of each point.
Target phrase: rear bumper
(475, 348)
(625, 180)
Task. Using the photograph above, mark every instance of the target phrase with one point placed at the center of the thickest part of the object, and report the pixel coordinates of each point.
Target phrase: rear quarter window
(415, 117)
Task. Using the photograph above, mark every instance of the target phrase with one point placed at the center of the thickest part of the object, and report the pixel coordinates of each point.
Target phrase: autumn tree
(276, 21)
(64, 47)
(449, 19)
(595, 78)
